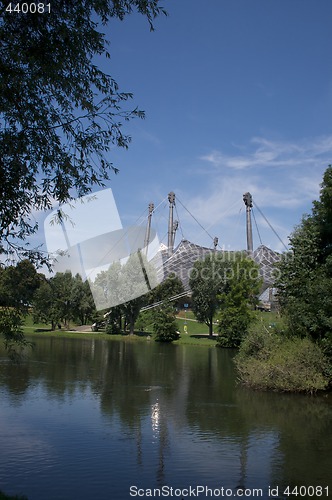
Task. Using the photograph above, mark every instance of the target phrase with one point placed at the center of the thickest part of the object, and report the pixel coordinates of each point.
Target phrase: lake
(101, 420)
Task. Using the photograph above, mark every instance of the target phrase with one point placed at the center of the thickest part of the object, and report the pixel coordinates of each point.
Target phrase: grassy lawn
(267, 320)
(193, 327)
(31, 327)
(196, 332)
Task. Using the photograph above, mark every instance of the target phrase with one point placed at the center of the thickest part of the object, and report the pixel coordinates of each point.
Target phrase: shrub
(165, 326)
(144, 321)
(233, 325)
(112, 326)
(268, 361)
(237, 301)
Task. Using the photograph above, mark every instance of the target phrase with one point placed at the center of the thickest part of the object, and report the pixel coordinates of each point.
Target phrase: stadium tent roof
(187, 253)
(266, 259)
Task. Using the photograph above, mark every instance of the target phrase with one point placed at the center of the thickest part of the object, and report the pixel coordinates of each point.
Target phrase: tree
(45, 306)
(127, 286)
(322, 214)
(106, 286)
(237, 301)
(81, 300)
(304, 274)
(114, 321)
(133, 284)
(59, 112)
(18, 284)
(63, 298)
(168, 288)
(208, 281)
(164, 323)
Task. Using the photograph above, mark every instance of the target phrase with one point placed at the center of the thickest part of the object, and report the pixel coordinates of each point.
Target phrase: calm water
(87, 420)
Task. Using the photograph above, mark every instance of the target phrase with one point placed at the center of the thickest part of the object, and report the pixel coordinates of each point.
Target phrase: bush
(112, 326)
(165, 326)
(144, 321)
(233, 325)
(269, 361)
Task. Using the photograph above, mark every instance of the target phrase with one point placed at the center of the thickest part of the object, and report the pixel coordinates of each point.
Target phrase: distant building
(182, 261)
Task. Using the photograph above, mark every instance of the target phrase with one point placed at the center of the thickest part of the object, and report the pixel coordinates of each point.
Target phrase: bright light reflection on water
(88, 419)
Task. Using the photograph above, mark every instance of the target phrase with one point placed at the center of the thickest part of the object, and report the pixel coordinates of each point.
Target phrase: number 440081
(29, 8)
(307, 491)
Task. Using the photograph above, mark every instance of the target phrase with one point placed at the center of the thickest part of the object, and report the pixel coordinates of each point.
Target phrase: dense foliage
(164, 325)
(17, 287)
(238, 300)
(120, 281)
(63, 298)
(224, 288)
(124, 289)
(305, 279)
(208, 281)
(169, 288)
(267, 360)
(165, 292)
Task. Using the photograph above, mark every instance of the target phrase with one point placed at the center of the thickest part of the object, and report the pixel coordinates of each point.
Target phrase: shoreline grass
(185, 339)
(197, 332)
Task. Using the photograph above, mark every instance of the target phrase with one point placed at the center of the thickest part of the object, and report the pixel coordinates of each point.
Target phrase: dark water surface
(88, 419)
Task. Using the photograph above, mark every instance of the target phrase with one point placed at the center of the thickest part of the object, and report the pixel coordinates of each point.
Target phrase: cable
(259, 236)
(200, 225)
(180, 225)
(175, 297)
(237, 224)
(275, 232)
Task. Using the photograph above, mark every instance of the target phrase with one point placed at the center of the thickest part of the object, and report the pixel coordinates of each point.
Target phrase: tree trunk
(211, 327)
(131, 326)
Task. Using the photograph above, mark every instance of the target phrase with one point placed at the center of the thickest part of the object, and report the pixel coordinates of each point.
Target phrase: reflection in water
(155, 418)
(88, 419)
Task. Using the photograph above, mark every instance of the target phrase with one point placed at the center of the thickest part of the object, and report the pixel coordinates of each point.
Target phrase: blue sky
(238, 97)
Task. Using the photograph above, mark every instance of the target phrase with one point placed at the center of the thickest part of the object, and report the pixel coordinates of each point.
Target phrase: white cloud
(283, 178)
(264, 153)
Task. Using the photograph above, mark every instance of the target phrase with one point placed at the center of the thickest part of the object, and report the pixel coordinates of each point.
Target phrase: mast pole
(148, 228)
(247, 198)
(175, 227)
(171, 199)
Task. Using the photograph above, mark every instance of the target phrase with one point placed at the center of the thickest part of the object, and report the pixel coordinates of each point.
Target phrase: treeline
(224, 288)
(63, 298)
(56, 300)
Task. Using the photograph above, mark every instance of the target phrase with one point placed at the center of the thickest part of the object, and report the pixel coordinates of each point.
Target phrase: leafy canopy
(59, 112)
(238, 300)
(304, 282)
(208, 280)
